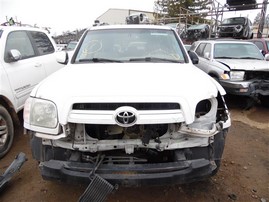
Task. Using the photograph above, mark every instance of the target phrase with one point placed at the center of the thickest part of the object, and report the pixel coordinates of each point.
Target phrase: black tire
(6, 131)
(264, 101)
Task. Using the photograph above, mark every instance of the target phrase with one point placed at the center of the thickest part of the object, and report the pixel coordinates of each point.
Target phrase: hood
(245, 64)
(127, 82)
(126, 79)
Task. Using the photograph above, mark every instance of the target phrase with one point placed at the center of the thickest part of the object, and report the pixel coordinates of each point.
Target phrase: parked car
(27, 56)
(197, 32)
(187, 46)
(262, 44)
(142, 108)
(71, 45)
(178, 27)
(236, 27)
(237, 65)
(137, 18)
(242, 4)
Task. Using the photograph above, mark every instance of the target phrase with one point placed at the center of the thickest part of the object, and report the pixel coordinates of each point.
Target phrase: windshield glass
(128, 45)
(237, 51)
(233, 21)
(1, 31)
(267, 42)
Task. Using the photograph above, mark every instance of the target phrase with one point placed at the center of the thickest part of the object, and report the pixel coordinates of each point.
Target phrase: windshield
(267, 42)
(233, 21)
(237, 51)
(129, 45)
(1, 31)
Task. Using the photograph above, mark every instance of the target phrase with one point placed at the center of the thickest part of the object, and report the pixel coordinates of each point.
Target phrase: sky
(69, 15)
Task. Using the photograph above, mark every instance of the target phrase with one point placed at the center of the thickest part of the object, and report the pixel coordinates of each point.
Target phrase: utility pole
(263, 15)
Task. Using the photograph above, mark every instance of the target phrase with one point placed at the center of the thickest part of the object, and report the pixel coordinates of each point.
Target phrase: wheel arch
(10, 108)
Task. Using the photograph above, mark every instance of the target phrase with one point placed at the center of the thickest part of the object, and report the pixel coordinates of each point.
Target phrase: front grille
(257, 75)
(114, 106)
(227, 29)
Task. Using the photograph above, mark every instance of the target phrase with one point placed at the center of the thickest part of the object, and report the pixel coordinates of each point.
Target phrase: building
(118, 16)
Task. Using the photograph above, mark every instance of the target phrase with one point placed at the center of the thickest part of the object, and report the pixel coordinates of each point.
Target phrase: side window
(200, 49)
(259, 44)
(207, 49)
(42, 42)
(19, 40)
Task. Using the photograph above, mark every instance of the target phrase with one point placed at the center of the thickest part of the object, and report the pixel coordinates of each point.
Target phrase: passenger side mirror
(266, 57)
(13, 55)
(194, 57)
(62, 57)
(207, 55)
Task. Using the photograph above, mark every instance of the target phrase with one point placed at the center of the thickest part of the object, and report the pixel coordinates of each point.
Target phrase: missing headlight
(202, 108)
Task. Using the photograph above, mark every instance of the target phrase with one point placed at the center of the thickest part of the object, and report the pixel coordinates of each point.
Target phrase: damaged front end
(150, 144)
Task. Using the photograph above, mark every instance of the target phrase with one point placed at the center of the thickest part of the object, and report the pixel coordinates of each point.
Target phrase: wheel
(264, 101)
(6, 131)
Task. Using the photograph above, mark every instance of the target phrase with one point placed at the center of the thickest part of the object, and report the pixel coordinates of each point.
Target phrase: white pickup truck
(130, 107)
(27, 56)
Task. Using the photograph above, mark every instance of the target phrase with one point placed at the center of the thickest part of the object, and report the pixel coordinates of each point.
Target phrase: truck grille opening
(112, 132)
(257, 75)
(114, 106)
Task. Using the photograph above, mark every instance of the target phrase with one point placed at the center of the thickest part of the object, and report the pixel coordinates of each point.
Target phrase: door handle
(38, 65)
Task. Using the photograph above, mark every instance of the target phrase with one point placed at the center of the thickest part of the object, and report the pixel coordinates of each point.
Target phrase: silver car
(239, 67)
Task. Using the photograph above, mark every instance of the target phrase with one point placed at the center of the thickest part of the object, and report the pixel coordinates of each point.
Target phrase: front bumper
(130, 175)
(246, 88)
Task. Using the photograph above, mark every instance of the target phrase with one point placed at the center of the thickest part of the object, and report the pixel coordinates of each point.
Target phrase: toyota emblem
(125, 117)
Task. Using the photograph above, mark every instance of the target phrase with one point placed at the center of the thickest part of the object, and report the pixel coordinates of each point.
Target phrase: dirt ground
(243, 176)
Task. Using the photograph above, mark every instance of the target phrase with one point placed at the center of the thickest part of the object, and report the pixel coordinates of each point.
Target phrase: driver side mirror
(194, 57)
(13, 55)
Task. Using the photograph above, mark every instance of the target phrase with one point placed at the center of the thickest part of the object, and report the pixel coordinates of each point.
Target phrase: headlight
(41, 113)
(237, 75)
(238, 28)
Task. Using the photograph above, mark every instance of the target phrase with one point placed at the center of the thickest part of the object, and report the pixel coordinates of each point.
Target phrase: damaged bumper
(130, 175)
(247, 88)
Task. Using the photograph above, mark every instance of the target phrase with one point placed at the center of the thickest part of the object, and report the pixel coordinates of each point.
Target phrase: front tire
(6, 131)
(264, 101)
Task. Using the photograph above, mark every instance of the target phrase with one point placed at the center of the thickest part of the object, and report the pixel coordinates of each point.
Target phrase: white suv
(131, 107)
(27, 56)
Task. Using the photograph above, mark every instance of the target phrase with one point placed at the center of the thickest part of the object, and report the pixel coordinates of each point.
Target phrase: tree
(173, 8)
(257, 19)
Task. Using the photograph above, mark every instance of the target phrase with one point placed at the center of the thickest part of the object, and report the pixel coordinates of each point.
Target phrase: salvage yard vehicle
(27, 55)
(131, 107)
(262, 44)
(237, 65)
(236, 27)
(197, 32)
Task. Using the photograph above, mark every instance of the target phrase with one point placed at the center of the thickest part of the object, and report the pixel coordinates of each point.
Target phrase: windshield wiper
(250, 58)
(225, 57)
(154, 59)
(99, 60)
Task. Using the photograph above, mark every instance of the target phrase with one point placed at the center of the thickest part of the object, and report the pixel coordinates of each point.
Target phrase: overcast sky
(63, 15)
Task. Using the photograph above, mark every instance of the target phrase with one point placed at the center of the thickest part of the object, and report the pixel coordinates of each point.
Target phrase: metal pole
(263, 15)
